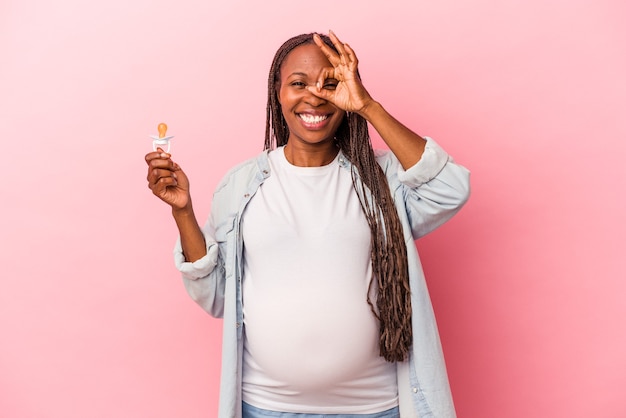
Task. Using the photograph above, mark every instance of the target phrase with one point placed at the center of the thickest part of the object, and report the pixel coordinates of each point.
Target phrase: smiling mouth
(312, 119)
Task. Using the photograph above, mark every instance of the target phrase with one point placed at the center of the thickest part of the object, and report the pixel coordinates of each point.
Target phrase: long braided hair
(388, 248)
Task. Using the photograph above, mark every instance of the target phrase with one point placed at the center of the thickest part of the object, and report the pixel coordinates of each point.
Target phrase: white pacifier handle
(162, 142)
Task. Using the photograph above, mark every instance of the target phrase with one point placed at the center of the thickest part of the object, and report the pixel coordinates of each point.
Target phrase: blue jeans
(250, 411)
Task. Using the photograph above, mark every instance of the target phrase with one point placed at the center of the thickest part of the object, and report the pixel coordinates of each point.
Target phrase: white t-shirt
(311, 340)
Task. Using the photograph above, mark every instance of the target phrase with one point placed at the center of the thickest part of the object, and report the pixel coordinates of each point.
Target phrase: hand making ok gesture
(350, 94)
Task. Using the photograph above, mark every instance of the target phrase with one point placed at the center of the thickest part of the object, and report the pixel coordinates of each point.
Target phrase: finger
(160, 187)
(162, 161)
(158, 154)
(343, 56)
(156, 175)
(322, 94)
(325, 74)
(167, 155)
(330, 54)
(325, 78)
(354, 61)
(159, 167)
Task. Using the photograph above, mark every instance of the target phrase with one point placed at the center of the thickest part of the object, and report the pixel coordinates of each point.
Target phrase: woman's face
(311, 120)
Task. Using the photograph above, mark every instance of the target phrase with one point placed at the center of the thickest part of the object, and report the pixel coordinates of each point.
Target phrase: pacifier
(161, 140)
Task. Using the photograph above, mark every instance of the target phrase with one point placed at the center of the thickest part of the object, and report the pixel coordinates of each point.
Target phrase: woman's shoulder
(239, 176)
(387, 160)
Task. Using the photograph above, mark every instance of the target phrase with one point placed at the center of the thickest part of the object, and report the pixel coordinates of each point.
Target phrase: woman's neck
(310, 155)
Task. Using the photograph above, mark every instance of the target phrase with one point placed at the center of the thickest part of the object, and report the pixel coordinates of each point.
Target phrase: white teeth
(311, 118)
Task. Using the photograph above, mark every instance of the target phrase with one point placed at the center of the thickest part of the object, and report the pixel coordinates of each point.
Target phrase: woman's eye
(330, 84)
(298, 84)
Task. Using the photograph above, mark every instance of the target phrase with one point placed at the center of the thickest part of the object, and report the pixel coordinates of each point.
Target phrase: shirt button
(247, 195)
(237, 324)
(414, 390)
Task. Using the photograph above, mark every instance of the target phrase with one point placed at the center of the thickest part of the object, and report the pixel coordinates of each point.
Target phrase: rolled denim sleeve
(203, 278)
(432, 162)
(434, 189)
(199, 268)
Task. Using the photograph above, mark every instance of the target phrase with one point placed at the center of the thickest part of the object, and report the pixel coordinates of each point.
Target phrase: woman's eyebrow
(298, 73)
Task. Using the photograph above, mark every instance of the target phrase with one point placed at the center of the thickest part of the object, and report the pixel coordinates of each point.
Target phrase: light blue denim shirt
(426, 195)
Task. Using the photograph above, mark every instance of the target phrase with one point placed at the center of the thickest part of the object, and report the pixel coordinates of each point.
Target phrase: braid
(388, 248)
(389, 256)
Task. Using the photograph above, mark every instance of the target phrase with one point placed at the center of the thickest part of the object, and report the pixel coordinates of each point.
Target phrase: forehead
(307, 59)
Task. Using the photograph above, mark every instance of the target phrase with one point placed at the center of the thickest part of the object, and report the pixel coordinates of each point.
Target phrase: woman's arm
(406, 145)
(351, 96)
(195, 256)
(170, 184)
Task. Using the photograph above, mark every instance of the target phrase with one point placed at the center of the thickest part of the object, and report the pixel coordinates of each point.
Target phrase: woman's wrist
(184, 212)
(370, 109)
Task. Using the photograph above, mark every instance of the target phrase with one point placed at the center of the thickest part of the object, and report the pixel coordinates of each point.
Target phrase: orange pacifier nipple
(162, 128)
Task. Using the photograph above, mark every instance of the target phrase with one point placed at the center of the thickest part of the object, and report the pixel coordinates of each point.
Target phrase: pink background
(527, 281)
